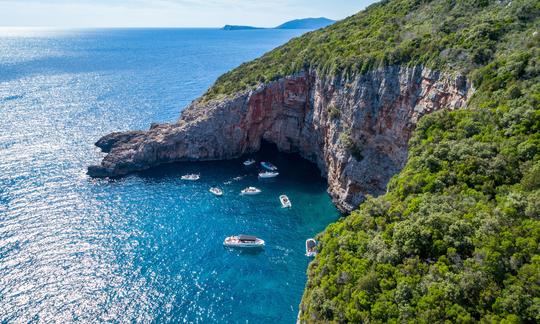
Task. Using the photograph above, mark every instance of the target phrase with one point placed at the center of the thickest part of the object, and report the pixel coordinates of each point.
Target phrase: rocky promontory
(355, 129)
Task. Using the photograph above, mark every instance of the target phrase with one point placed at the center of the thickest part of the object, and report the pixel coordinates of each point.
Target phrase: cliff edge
(356, 130)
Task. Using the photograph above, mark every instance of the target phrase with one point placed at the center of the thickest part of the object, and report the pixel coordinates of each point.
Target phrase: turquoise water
(147, 247)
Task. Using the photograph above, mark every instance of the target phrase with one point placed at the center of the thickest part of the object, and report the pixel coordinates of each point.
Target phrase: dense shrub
(456, 238)
(354, 147)
(333, 112)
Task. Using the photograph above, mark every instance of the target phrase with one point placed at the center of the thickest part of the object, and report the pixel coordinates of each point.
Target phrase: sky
(169, 13)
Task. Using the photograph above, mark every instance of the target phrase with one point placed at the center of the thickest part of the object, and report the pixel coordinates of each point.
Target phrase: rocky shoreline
(356, 130)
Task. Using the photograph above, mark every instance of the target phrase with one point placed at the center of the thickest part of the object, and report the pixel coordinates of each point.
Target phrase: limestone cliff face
(355, 130)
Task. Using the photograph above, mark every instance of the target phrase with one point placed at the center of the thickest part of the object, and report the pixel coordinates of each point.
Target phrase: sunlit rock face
(356, 130)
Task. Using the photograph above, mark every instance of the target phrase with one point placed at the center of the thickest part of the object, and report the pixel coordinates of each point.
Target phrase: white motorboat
(268, 174)
(285, 201)
(216, 191)
(191, 177)
(243, 241)
(249, 162)
(251, 191)
(269, 166)
(311, 247)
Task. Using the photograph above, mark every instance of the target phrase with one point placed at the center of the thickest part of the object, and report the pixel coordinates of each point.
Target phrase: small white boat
(243, 241)
(216, 191)
(285, 201)
(268, 174)
(251, 191)
(269, 166)
(311, 247)
(191, 177)
(249, 162)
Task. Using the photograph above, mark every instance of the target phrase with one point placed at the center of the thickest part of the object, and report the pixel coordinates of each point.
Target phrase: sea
(146, 247)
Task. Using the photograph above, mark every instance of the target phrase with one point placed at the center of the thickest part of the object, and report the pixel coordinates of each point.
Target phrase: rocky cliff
(355, 129)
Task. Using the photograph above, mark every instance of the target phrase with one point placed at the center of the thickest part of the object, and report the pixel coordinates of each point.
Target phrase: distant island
(306, 23)
(237, 27)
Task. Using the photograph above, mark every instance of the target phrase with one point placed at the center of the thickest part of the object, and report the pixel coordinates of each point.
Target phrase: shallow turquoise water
(147, 247)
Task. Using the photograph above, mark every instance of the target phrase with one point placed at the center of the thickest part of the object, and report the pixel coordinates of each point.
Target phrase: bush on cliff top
(457, 237)
(443, 34)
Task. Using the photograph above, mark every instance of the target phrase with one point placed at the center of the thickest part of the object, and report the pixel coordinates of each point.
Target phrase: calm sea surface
(147, 247)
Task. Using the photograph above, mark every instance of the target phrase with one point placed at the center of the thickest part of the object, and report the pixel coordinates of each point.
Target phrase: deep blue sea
(147, 247)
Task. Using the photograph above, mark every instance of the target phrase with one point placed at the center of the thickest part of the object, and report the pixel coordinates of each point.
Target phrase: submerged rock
(356, 130)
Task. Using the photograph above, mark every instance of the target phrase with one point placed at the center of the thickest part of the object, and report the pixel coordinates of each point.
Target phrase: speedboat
(269, 166)
(268, 174)
(249, 162)
(216, 191)
(285, 201)
(191, 177)
(311, 247)
(243, 241)
(251, 191)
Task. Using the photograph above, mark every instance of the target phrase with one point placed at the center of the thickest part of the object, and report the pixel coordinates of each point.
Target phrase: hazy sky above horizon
(169, 13)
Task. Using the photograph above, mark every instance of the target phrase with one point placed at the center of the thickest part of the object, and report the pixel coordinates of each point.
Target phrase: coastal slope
(433, 107)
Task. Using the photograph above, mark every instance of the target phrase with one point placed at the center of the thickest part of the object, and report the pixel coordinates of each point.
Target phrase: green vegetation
(442, 34)
(351, 145)
(457, 237)
(333, 112)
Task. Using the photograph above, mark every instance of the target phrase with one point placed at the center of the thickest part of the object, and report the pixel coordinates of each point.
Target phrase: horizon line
(163, 27)
(142, 27)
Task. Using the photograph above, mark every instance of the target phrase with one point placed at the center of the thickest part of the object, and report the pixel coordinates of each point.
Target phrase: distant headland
(306, 23)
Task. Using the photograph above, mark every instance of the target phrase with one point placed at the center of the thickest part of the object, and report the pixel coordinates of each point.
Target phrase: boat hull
(268, 166)
(311, 248)
(285, 201)
(250, 193)
(253, 191)
(268, 175)
(233, 242)
(243, 246)
(190, 177)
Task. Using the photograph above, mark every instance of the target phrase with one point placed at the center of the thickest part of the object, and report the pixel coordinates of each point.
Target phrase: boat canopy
(248, 238)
